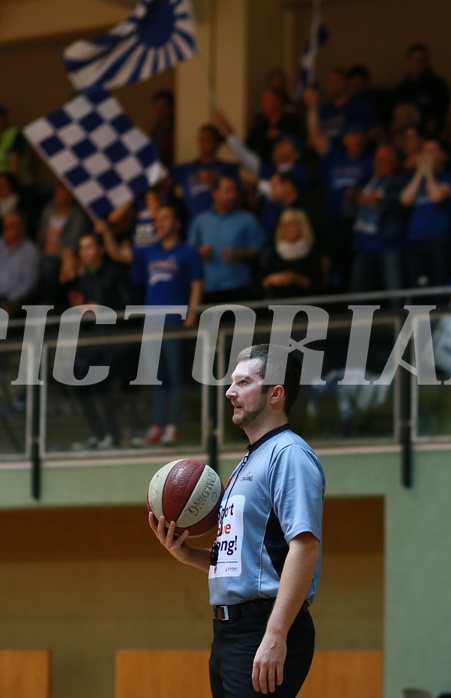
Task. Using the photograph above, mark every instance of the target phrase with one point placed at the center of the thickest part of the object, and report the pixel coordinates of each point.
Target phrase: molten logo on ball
(187, 492)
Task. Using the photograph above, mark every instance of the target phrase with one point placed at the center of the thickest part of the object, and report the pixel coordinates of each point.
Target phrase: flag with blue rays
(156, 36)
(317, 38)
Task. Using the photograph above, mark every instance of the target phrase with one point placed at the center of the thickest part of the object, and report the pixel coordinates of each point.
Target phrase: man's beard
(246, 417)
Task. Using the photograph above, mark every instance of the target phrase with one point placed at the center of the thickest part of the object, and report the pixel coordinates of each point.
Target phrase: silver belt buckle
(224, 612)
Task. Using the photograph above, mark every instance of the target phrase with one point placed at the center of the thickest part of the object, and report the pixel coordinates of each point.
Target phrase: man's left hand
(267, 671)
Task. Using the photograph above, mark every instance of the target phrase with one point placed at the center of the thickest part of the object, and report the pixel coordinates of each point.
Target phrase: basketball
(187, 492)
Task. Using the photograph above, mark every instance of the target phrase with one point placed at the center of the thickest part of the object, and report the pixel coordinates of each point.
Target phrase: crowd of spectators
(349, 195)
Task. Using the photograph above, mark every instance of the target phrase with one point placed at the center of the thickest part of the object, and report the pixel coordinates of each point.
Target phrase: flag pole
(297, 92)
(205, 67)
(315, 14)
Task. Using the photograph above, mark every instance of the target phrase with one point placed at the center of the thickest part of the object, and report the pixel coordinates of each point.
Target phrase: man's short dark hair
(166, 95)
(359, 71)
(417, 48)
(20, 214)
(217, 181)
(338, 70)
(278, 94)
(177, 207)
(215, 132)
(280, 357)
(290, 178)
(274, 71)
(12, 181)
(415, 127)
(98, 239)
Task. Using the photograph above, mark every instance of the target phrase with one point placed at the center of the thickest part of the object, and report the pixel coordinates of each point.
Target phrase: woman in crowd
(293, 267)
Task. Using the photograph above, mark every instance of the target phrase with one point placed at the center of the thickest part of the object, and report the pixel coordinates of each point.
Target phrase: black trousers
(233, 650)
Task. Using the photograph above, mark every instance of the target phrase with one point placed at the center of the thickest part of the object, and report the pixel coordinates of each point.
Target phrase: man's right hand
(101, 227)
(223, 124)
(173, 543)
(176, 545)
(205, 251)
(311, 97)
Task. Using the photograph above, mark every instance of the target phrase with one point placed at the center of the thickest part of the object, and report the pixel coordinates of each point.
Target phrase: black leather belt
(243, 609)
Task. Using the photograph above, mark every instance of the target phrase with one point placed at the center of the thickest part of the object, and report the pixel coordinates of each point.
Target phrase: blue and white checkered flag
(97, 152)
(156, 36)
(317, 38)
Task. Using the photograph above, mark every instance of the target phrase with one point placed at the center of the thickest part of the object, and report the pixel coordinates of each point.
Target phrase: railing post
(406, 429)
(36, 462)
(212, 441)
(406, 418)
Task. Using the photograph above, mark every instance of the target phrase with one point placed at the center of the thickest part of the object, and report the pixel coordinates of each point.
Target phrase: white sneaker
(89, 445)
(138, 442)
(170, 435)
(106, 443)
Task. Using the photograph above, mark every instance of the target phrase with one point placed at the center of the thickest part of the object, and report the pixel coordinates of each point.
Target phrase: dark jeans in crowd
(167, 398)
(375, 270)
(428, 262)
(340, 249)
(97, 401)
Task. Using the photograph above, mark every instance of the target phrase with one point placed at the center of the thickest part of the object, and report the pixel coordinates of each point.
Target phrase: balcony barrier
(358, 391)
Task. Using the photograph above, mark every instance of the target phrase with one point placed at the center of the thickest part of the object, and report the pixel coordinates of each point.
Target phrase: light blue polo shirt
(238, 229)
(273, 495)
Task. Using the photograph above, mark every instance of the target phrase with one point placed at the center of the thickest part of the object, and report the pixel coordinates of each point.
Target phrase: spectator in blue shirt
(286, 156)
(360, 85)
(347, 167)
(429, 196)
(342, 109)
(411, 147)
(229, 241)
(196, 178)
(137, 221)
(172, 272)
(380, 228)
(403, 115)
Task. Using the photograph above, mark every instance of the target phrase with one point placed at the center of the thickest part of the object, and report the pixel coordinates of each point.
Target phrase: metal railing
(41, 423)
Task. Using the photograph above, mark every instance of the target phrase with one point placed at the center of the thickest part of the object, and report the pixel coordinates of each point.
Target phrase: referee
(264, 566)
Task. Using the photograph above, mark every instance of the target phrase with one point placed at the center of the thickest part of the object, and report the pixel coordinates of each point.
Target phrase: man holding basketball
(265, 563)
